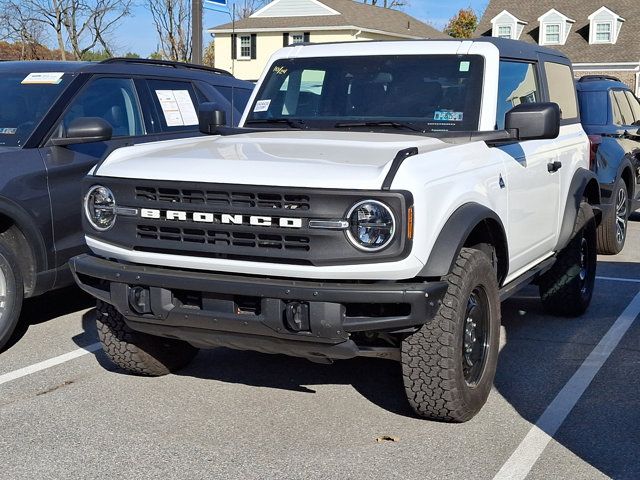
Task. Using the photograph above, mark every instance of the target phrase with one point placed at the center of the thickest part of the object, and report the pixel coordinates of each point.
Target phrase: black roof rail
(166, 63)
(592, 78)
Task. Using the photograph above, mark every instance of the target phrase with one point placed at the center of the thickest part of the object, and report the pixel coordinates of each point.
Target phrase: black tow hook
(296, 316)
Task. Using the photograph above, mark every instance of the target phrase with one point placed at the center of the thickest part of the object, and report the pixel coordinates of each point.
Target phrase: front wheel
(448, 365)
(137, 352)
(11, 293)
(566, 289)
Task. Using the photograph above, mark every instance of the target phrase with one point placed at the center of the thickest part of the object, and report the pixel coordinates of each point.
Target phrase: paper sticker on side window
(51, 78)
(445, 116)
(177, 107)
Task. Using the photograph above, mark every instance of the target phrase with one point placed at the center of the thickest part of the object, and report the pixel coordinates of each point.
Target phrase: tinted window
(112, 99)
(26, 98)
(438, 92)
(176, 103)
(625, 108)
(562, 90)
(635, 106)
(615, 110)
(593, 107)
(517, 84)
(241, 98)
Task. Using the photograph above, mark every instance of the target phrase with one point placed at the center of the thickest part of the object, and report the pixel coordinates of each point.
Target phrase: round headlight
(371, 225)
(100, 207)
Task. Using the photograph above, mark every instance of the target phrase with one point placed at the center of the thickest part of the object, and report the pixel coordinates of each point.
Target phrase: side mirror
(533, 121)
(210, 118)
(85, 130)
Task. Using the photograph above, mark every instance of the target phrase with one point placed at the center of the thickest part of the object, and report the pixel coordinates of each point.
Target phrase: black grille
(224, 238)
(221, 198)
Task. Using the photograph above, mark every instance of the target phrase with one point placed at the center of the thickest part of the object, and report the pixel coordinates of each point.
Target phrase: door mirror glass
(533, 121)
(85, 130)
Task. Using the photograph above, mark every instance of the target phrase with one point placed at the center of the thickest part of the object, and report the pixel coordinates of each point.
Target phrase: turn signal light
(410, 223)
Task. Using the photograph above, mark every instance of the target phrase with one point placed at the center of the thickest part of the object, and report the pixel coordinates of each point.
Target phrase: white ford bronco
(378, 199)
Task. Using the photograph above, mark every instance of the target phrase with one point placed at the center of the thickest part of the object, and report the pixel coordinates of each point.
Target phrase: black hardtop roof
(515, 49)
(127, 66)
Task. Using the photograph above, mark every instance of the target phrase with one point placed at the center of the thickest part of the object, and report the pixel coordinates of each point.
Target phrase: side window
(518, 84)
(241, 98)
(562, 90)
(625, 108)
(635, 106)
(615, 110)
(176, 103)
(113, 99)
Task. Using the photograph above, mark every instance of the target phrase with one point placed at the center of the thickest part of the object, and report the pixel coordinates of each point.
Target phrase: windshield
(26, 98)
(435, 93)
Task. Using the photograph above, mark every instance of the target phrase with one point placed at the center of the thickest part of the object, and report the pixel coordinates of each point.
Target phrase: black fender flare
(583, 185)
(453, 236)
(628, 162)
(28, 227)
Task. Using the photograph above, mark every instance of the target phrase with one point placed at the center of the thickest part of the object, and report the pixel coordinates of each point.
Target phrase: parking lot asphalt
(234, 414)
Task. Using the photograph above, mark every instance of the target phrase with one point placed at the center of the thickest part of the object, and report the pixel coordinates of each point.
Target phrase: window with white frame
(296, 38)
(603, 32)
(504, 31)
(245, 46)
(552, 33)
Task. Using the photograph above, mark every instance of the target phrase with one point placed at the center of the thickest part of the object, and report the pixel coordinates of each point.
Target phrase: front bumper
(253, 313)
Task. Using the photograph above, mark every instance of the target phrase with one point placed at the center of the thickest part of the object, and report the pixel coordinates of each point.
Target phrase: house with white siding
(245, 47)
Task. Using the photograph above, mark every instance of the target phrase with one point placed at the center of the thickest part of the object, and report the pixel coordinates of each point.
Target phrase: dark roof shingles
(353, 13)
(577, 47)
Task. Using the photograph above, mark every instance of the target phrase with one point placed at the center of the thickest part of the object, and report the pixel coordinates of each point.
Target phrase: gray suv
(57, 121)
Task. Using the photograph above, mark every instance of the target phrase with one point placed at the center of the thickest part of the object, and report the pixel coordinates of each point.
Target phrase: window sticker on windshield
(280, 70)
(51, 78)
(8, 131)
(464, 66)
(444, 116)
(177, 107)
(262, 106)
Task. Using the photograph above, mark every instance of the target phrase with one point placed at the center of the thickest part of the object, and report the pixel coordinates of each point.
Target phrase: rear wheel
(612, 231)
(566, 289)
(11, 293)
(449, 364)
(137, 352)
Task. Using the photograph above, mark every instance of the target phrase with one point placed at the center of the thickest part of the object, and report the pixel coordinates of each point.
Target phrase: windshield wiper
(385, 123)
(292, 122)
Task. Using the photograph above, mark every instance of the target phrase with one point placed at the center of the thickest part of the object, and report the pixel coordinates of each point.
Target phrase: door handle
(554, 166)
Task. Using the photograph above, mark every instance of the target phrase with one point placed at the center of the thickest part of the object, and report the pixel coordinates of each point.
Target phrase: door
(115, 100)
(533, 191)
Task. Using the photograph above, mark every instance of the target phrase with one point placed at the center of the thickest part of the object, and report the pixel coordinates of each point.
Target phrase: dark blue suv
(610, 114)
(57, 120)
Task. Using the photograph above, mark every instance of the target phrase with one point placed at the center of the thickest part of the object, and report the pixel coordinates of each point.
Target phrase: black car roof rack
(165, 63)
(592, 78)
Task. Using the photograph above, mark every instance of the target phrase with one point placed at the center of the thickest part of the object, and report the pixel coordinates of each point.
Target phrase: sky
(137, 33)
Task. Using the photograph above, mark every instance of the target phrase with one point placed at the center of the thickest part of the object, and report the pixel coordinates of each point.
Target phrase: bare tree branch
(172, 19)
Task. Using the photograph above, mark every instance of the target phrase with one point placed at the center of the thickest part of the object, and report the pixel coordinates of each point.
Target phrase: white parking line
(23, 372)
(525, 456)
(616, 279)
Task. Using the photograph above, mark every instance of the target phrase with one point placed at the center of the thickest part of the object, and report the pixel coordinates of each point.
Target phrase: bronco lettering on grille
(222, 218)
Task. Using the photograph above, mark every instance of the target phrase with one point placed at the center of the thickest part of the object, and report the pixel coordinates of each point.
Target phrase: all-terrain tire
(566, 289)
(11, 292)
(612, 231)
(137, 352)
(433, 358)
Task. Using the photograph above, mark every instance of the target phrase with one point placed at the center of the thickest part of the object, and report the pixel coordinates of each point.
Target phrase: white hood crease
(308, 159)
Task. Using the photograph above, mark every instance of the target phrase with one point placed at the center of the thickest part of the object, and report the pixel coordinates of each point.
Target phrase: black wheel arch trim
(583, 185)
(31, 232)
(454, 234)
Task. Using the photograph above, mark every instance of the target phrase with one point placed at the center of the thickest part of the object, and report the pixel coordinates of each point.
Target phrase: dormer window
(552, 33)
(506, 25)
(504, 31)
(554, 28)
(604, 26)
